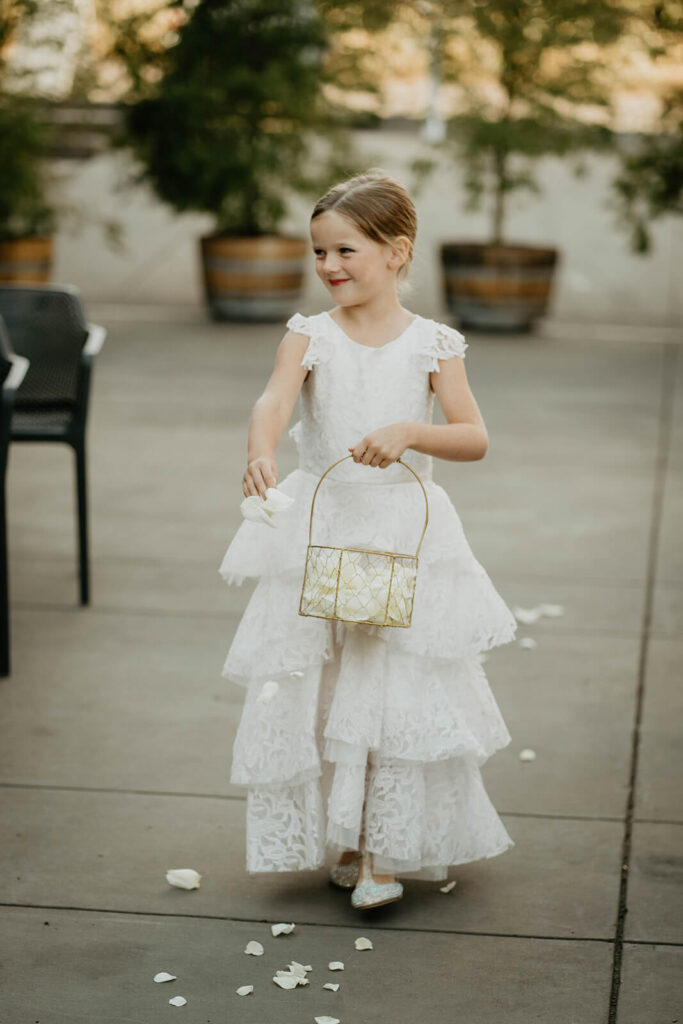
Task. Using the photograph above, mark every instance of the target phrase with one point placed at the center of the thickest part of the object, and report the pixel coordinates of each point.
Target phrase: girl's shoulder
(438, 341)
(308, 325)
(315, 328)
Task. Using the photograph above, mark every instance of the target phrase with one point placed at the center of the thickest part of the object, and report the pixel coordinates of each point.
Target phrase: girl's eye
(318, 252)
(345, 249)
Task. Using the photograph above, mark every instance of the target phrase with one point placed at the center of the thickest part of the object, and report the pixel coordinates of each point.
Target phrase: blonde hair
(377, 205)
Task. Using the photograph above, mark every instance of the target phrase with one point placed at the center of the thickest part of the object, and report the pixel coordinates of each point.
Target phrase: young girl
(364, 738)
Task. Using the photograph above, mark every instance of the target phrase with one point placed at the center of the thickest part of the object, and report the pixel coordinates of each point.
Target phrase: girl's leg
(366, 870)
(372, 890)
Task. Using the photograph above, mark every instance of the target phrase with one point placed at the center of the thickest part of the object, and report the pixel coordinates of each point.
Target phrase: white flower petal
(335, 965)
(298, 975)
(244, 990)
(363, 943)
(527, 615)
(527, 754)
(286, 980)
(266, 696)
(296, 674)
(332, 985)
(528, 643)
(178, 1001)
(326, 1020)
(164, 976)
(279, 929)
(254, 948)
(449, 887)
(277, 501)
(183, 878)
(553, 611)
(252, 508)
(301, 970)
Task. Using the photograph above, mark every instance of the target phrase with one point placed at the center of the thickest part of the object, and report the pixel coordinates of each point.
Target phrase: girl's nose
(330, 264)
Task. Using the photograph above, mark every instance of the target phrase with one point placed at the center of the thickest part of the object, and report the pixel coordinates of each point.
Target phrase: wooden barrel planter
(257, 279)
(26, 259)
(497, 287)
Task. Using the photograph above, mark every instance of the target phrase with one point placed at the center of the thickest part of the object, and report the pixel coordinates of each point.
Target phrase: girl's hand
(260, 474)
(383, 446)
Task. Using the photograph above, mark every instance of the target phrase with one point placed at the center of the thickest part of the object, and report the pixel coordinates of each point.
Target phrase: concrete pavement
(116, 727)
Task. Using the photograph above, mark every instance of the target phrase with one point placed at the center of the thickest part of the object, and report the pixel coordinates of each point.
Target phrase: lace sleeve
(317, 347)
(440, 342)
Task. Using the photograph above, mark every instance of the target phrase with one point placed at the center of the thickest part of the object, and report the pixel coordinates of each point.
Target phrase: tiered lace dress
(374, 729)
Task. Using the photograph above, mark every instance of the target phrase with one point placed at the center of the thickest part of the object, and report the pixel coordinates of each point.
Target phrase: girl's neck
(383, 315)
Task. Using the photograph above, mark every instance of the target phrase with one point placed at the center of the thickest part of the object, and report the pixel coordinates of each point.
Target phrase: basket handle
(345, 457)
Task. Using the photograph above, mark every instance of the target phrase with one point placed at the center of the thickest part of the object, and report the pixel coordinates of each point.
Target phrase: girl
(367, 739)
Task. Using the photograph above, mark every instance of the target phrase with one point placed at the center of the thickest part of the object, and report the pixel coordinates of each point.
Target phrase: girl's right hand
(260, 474)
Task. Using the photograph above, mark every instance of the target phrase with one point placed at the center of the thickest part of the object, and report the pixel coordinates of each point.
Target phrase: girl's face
(353, 267)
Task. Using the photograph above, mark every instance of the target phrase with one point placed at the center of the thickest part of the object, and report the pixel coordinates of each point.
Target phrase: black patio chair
(47, 325)
(12, 372)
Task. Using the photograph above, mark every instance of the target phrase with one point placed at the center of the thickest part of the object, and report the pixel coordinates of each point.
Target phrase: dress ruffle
(402, 739)
(439, 341)
(318, 350)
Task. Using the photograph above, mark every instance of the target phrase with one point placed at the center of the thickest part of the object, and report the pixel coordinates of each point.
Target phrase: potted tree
(650, 181)
(26, 216)
(527, 73)
(229, 130)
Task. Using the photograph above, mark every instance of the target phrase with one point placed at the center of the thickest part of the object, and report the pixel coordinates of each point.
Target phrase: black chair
(12, 372)
(47, 325)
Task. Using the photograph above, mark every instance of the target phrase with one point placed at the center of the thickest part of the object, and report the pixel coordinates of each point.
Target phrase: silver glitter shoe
(375, 894)
(345, 876)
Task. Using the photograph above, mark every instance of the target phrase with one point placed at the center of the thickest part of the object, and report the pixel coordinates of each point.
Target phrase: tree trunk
(500, 158)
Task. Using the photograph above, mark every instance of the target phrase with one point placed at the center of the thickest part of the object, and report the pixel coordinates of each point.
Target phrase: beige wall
(599, 280)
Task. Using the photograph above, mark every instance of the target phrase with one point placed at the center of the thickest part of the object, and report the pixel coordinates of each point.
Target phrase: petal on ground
(254, 948)
(282, 928)
(183, 878)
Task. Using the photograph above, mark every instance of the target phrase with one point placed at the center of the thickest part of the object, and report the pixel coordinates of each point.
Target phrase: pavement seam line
(121, 791)
(669, 353)
(308, 924)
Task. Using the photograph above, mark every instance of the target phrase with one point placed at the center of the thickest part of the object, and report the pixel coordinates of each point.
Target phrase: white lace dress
(374, 729)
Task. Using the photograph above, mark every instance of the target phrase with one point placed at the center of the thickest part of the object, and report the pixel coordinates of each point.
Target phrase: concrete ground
(116, 727)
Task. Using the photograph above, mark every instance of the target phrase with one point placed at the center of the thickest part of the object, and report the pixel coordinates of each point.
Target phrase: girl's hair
(377, 205)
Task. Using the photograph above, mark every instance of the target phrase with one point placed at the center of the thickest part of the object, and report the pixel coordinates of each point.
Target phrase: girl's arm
(272, 412)
(463, 439)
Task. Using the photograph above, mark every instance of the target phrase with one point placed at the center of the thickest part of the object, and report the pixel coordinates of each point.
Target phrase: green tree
(531, 82)
(24, 210)
(238, 118)
(649, 184)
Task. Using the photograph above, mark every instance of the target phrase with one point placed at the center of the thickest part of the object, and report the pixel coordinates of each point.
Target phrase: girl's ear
(400, 252)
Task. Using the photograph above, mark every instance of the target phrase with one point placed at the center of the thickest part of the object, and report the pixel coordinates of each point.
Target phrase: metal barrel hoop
(343, 459)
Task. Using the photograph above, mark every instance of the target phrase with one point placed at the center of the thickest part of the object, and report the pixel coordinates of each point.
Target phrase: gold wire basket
(359, 584)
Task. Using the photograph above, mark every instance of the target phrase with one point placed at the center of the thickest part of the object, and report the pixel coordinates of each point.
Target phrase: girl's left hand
(383, 446)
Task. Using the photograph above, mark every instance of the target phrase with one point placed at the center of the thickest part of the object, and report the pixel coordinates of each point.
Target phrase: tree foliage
(649, 184)
(238, 118)
(531, 81)
(24, 208)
